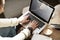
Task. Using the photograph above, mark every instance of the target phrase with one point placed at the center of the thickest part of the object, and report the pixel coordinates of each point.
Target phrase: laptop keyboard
(31, 17)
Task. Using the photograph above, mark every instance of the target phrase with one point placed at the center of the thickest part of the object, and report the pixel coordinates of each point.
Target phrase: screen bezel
(38, 16)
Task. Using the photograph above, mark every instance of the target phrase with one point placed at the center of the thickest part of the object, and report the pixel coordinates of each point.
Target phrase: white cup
(48, 32)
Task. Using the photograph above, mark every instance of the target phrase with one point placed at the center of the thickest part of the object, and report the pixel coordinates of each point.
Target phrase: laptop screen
(41, 10)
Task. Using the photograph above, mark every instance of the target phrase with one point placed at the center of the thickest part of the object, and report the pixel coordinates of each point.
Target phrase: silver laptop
(41, 12)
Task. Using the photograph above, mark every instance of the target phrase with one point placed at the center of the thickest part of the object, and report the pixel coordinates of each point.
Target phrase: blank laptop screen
(40, 9)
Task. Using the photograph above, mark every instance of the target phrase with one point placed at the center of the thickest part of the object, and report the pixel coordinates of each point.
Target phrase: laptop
(41, 12)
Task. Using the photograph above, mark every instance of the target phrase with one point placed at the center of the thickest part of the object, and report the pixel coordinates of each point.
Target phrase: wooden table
(55, 35)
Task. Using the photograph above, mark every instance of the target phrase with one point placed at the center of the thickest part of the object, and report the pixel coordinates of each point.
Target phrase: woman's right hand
(33, 24)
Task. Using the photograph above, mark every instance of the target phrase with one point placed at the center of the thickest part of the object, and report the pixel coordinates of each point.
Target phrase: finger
(37, 25)
(26, 16)
(35, 21)
(30, 22)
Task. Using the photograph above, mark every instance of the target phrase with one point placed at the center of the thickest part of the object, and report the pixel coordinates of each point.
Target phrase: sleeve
(8, 22)
(5, 38)
(21, 36)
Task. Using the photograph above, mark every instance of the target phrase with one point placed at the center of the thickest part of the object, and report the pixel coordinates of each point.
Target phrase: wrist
(31, 29)
(20, 22)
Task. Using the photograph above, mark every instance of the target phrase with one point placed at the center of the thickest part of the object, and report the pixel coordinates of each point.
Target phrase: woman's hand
(33, 24)
(25, 20)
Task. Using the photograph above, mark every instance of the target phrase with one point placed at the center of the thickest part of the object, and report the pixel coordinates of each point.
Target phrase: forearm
(22, 35)
(8, 22)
